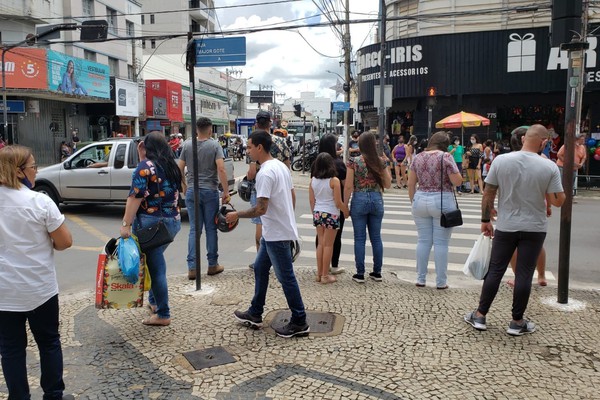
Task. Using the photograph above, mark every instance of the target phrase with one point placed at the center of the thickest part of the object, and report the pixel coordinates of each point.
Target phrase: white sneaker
(336, 271)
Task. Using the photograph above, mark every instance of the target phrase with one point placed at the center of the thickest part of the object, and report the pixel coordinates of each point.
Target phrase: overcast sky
(283, 59)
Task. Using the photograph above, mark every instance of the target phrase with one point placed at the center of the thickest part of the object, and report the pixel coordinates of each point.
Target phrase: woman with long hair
(367, 177)
(328, 144)
(474, 153)
(69, 84)
(437, 174)
(31, 228)
(325, 196)
(154, 194)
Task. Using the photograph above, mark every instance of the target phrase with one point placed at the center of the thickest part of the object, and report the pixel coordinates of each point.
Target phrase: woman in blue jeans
(154, 194)
(366, 178)
(437, 174)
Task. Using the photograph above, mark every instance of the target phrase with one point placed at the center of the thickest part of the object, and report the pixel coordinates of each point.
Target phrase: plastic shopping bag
(478, 262)
(129, 259)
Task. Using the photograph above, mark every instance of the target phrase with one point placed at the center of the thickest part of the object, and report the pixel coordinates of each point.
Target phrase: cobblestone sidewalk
(397, 342)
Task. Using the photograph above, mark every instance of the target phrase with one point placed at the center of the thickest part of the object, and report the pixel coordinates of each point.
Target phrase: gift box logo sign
(521, 52)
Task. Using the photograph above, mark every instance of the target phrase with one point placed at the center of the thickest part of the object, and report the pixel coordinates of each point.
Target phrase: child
(325, 195)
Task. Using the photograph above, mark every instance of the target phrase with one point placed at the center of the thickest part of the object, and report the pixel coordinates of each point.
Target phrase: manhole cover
(208, 358)
(319, 322)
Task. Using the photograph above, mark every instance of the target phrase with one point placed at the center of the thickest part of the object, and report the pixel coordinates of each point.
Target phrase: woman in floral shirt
(366, 178)
(153, 195)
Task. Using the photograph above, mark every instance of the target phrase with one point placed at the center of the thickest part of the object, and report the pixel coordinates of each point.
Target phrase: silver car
(99, 173)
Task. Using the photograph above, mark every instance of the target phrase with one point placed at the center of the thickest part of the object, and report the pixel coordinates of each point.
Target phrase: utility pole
(136, 120)
(576, 49)
(347, 48)
(382, 71)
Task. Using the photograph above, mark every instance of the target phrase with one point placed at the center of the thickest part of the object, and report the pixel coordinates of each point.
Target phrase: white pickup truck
(99, 173)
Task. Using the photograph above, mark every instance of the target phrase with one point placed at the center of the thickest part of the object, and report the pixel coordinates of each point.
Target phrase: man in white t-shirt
(522, 180)
(275, 205)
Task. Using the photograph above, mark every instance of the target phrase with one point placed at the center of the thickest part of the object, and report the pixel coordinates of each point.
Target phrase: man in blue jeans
(275, 205)
(524, 182)
(211, 171)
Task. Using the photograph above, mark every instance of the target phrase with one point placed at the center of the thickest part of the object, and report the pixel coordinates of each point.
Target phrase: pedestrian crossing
(399, 235)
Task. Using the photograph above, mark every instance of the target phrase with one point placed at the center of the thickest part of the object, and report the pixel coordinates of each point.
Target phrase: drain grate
(208, 358)
(319, 322)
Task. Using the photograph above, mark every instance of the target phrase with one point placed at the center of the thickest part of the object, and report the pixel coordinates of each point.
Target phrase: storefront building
(207, 105)
(513, 77)
(58, 93)
(164, 107)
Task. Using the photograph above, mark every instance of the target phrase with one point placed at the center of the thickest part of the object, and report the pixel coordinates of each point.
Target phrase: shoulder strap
(442, 185)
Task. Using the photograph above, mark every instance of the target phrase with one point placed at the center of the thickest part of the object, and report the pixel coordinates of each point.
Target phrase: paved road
(93, 226)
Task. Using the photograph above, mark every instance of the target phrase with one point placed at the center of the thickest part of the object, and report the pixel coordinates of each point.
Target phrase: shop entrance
(9, 134)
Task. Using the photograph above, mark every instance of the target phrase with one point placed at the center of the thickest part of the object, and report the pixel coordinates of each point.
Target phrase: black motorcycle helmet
(220, 221)
(245, 189)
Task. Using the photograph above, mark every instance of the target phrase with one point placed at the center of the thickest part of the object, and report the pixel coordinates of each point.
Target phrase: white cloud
(284, 59)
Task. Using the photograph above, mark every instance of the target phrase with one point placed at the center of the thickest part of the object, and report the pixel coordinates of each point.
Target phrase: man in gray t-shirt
(211, 171)
(523, 181)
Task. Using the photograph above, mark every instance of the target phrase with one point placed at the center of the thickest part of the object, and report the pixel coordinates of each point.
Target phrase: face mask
(473, 141)
(26, 182)
(457, 142)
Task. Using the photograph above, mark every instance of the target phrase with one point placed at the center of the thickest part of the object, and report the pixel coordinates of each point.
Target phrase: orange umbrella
(462, 120)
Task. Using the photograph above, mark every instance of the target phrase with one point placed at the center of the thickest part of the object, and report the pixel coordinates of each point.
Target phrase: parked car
(99, 173)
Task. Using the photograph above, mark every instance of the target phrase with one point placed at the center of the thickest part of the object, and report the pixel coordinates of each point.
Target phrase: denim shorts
(326, 220)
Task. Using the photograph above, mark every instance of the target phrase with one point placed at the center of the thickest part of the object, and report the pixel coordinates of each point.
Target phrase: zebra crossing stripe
(409, 222)
(401, 232)
(396, 262)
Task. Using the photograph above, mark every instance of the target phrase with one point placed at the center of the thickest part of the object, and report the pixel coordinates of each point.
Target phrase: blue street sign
(220, 52)
(341, 106)
(13, 106)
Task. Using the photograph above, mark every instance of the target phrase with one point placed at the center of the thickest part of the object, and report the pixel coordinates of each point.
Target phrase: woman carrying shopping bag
(153, 199)
(437, 174)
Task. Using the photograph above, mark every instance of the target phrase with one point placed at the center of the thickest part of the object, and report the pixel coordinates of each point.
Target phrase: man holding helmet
(275, 205)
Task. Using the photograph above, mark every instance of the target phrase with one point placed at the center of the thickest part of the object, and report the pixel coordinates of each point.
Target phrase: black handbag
(155, 235)
(452, 218)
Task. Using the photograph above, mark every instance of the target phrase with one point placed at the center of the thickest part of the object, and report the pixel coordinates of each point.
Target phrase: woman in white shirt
(31, 228)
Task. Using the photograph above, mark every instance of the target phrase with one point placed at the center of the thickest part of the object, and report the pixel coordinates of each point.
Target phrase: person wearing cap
(211, 171)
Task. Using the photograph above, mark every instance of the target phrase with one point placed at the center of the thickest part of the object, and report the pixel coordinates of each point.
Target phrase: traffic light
(298, 110)
(431, 92)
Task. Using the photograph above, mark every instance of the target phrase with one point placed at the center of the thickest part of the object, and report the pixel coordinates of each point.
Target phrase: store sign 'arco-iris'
(506, 61)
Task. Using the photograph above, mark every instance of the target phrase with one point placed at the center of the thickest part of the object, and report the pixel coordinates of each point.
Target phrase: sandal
(510, 283)
(317, 278)
(152, 308)
(419, 284)
(155, 320)
(442, 287)
(542, 282)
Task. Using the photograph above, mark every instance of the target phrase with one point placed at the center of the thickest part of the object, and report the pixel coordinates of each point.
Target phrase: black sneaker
(375, 276)
(515, 329)
(475, 321)
(358, 278)
(290, 330)
(247, 319)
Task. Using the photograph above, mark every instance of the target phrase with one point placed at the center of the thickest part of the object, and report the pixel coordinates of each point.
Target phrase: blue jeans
(157, 266)
(43, 322)
(366, 211)
(279, 255)
(208, 206)
(426, 213)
